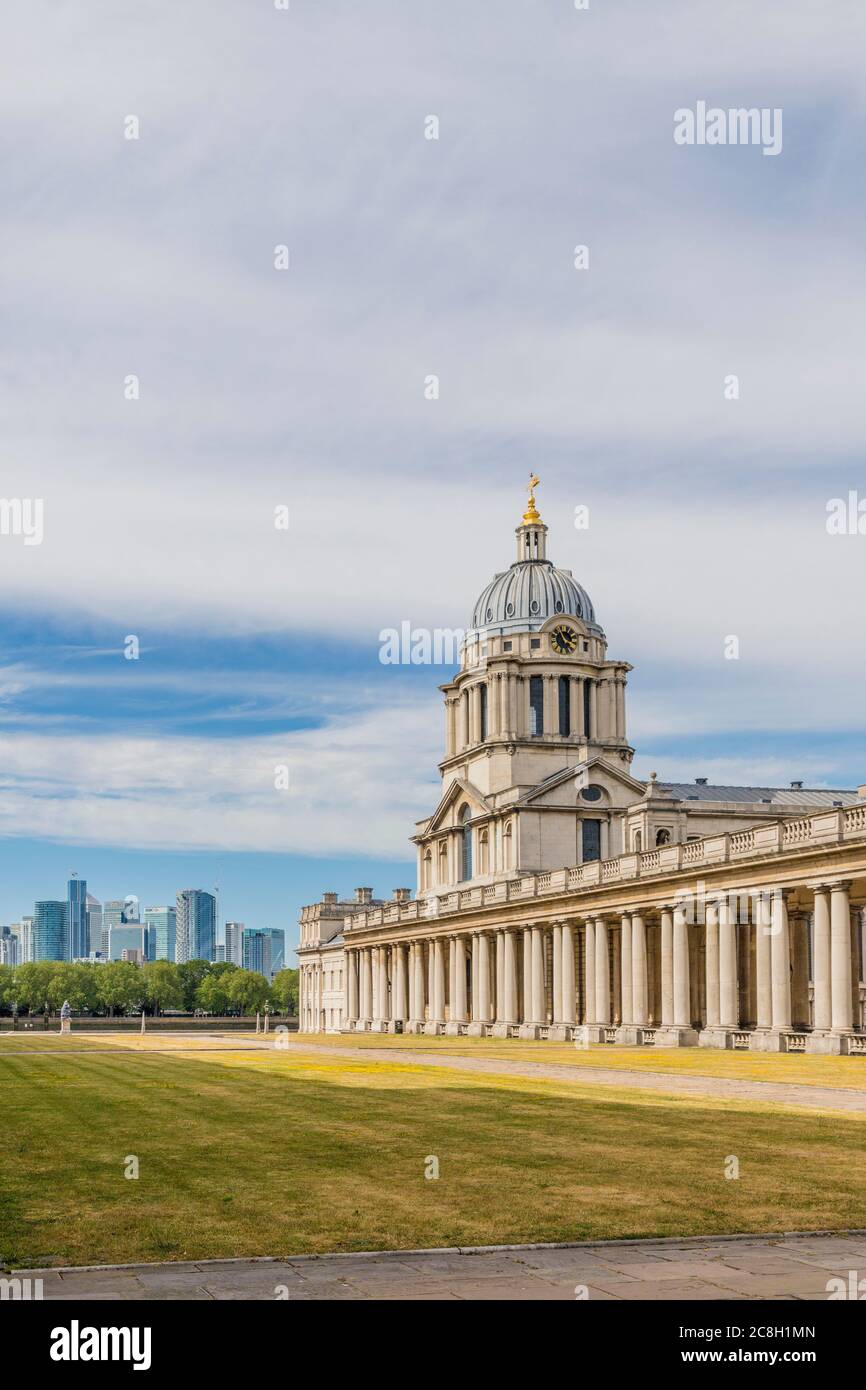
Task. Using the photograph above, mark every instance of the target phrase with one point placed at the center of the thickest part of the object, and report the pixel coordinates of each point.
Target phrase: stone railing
(834, 827)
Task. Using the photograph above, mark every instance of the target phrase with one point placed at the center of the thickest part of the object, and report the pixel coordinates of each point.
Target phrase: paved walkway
(747, 1267)
(728, 1088)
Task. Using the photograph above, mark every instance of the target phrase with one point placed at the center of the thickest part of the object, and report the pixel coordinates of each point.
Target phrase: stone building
(559, 894)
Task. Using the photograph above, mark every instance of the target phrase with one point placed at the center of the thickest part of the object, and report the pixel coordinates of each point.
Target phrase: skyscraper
(79, 936)
(51, 930)
(196, 925)
(94, 926)
(234, 942)
(24, 931)
(160, 933)
(264, 950)
(9, 947)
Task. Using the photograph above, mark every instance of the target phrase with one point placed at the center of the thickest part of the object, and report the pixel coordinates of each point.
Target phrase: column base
(456, 1028)
(630, 1035)
(531, 1030)
(587, 1033)
(413, 1025)
(478, 1030)
(675, 1036)
(434, 1028)
(560, 1032)
(500, 1030)
(379, 1025)
(718, 1037)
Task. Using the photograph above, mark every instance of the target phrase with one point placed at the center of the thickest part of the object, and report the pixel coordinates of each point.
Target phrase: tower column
(602, 973)
(352, 980)
(483, 978)
(626, 972)
(568, 980)
(458, 1010)
(557, 972)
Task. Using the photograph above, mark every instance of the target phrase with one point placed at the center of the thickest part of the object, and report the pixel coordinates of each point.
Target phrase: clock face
(563, 640)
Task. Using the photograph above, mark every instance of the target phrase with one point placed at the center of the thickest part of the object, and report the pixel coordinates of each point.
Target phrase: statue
(65, 1016)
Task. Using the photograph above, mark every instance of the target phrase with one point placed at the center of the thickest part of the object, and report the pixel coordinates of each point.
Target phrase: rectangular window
(591, 840)
(536, 706)
(587, 708)
(483, 706)
(564, 706)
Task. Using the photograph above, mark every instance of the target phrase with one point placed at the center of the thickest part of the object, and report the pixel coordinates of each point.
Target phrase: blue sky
(304, 388)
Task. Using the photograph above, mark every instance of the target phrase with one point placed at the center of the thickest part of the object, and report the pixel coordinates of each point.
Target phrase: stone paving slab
(696, 1268)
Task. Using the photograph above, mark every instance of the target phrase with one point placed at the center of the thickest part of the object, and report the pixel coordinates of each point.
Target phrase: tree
(30, 984)
(120, 986)
(284, 991)
(76, 982)
(191, 973)
(248, 990)
(212, 994)
(162, 985)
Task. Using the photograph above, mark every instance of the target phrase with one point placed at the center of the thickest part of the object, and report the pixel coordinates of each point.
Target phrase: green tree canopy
(163, 988)
(284, 991)
(248, 990)
(120, 986)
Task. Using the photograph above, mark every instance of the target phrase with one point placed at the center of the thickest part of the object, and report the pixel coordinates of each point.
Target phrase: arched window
(484, 853)
(482, 713)
(507, 848)
(443, 861)
(663, 837)
(466, 856)
(427, 870)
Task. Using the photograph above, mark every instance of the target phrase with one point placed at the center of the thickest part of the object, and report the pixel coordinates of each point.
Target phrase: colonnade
(754, 962)
(596, 708)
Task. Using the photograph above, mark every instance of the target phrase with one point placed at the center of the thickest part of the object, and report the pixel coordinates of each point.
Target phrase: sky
(260, 388)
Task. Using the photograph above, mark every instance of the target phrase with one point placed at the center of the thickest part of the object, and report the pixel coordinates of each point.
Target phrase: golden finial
(531, 515)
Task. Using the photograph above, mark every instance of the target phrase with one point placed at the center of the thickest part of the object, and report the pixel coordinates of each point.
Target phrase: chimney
(796, 786)
(329, 898)
(700, 781)
(363, 895)
(401, 895)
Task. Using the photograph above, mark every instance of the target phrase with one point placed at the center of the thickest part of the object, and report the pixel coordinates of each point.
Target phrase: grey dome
(525, 596)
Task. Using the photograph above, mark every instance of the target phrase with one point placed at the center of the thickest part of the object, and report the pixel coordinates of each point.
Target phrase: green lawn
(269, 1153)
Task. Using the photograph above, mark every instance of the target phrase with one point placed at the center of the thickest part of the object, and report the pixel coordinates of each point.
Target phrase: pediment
(459, 792)
(561, 789)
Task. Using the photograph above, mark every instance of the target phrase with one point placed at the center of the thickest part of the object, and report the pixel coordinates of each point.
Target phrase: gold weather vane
(531, 514)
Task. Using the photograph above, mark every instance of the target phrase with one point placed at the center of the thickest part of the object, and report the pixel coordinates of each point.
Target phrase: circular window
(509, 610)
(591, 793)
(534, 605)
(559, 605)
(489, 614)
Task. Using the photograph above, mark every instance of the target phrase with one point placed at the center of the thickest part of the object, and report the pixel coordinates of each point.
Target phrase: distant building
(264, 950)
(196, 925)
(23, 930)
(220, 953)
(132, 954)
(95, 926)
(51, 930)
(160, 932)
(234, 942)
(129, 936)
(9, 947)
(79, 935)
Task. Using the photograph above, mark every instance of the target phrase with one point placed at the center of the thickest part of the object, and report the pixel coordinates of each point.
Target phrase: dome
(525, 596)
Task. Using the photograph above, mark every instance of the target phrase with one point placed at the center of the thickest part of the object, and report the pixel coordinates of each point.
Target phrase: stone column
(510, 979)
(682, 1017)
(589, 971)
(626, 972)
(667, 964)
(713, 966)
(557, 973)
(841, 1020)
(763, 960)
(384, 994)
(821, 961)
(438, 982)
(458, 1011)
(473, 1005)
(780, 963)
(352, 973)
(499, 1010)
(799, 969)
(367, 984)
(728, 991)
(401, 987)
(602, 973)
(484, 978)
(527, 975)
(538, 1004)
(640, 977)
(568, 979)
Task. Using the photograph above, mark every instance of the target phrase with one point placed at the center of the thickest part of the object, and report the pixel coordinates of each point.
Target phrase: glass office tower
(51, 930)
